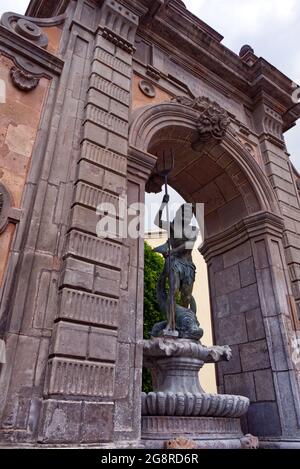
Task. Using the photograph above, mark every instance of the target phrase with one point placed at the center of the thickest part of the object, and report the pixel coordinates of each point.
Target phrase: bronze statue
(179, 271)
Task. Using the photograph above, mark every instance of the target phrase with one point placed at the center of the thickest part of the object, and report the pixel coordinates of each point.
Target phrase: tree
(154, 264)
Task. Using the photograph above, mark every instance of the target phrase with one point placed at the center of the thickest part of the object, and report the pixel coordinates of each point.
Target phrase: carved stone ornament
(175, 365)
(249, 442)
(147, 89)
(119, 25)
(23, 80)
(25, 28)
(213, 120)
(5, 205)
(31, 28)
(181, 443)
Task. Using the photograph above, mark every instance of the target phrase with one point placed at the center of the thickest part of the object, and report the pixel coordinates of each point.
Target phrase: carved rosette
(147, 89)
(23, 80)
(213, 120)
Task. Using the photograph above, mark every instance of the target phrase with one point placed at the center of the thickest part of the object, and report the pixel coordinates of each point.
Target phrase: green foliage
(154, 264)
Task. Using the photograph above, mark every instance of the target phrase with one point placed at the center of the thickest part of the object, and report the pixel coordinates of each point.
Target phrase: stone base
(206, 432)
(279, 443)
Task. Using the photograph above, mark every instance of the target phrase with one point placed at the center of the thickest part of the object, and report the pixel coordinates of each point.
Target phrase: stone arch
(246, 267)
(171, 121)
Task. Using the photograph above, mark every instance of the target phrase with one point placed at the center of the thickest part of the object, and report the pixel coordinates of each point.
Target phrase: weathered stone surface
(227, 281)
(263, 419)
(264, 385)
(245, 299)
(247, 272)
(242, 384)
(97, 422)
(102, 344)
(255, 326)
(254, 355)
(61, 422)
(232, 330)
(79, 378)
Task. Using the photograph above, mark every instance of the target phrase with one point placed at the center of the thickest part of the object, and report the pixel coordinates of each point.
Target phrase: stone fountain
(179, 413)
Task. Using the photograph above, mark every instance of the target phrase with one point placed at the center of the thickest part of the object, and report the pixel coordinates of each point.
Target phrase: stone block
(231, 330)
(121, 81)
(255, 325)
(84, 219)
(119, 109)
(95, 134)
(275, 334)
(227, 281)
(237, 254)
(102, 344)
(240, 384)
(88, 308)
(95, 249)
(117, 144)
(232, 366)
(222, 306)
(71, 377)
(108, 88)
(260, 254)
(70, 339)
(254, 355)
(114, 183)
(245, 299)
(247, 272)
(113, 62)
(264, 385)
(90, 173)
(97, 422)
(98, 99)
(104, 158)
(107, 282)
(60, 422)
(263, 419)
(78, 274)
(125, 364)
(102, 70)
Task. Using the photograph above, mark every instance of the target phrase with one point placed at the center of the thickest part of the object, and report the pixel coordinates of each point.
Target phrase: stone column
(249, 291)
(93, 381)
(269, 125)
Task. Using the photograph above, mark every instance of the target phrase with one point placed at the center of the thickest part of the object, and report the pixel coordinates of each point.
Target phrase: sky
(271, 27)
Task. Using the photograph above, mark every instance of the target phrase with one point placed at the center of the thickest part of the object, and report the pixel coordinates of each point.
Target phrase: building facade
(95, 91)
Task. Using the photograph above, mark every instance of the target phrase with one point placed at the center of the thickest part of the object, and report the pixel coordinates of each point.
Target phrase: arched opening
(156, 237)
(240, 211)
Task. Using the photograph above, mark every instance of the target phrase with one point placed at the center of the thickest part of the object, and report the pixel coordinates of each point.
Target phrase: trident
(163, 170)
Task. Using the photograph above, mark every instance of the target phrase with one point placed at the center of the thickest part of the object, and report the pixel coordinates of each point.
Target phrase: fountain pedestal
(179, 407)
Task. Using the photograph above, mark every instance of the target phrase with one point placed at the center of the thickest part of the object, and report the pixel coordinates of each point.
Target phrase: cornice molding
(257, 225)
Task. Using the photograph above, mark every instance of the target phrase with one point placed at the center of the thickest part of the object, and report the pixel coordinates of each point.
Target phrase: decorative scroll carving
(30, 28)
(213, 120)
(119, 25)
(147, 88)
(23, 80)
